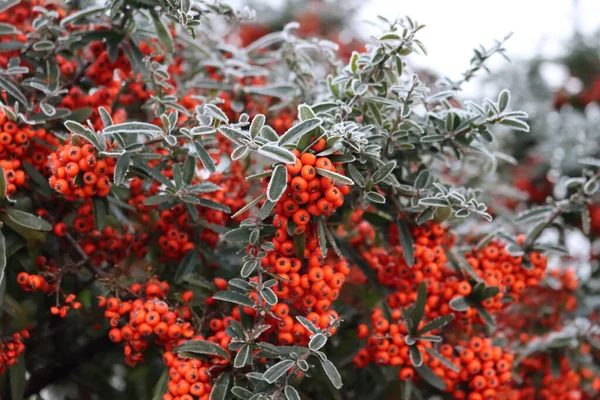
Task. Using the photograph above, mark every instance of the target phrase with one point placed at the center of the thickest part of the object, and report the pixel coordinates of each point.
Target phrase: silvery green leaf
(221, 387)
(278, 370)
(215, 112)
(383, 172)
(503, 100)
(239, 152)
(515, 124)
(305, 112)
(204, 157)
(297, 131)
(317, 341)
(277, 184)
(375, 197)
(269, 133)
(82, 14)
(307, 324)
(235, 135)
(332, 373)
(234, 297)
(277, 153)
(433, 202)
(291, 393)
(133, 128)
(202, 130)
(257, 124)
(335, 176)
(13, 90)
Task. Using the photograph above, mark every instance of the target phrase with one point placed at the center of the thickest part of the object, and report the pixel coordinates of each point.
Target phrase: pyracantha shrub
(197, 206)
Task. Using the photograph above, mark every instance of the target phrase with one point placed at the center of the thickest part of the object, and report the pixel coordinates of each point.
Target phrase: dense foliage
(194, 208)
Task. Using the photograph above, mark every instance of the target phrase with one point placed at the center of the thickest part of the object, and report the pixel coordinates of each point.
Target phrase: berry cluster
(304, 289)
(134, 321)
(188, 379)
(387, 344)
(77, 173)
(11, 349)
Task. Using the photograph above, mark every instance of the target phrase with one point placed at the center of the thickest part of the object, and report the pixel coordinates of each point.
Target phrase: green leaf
(28, 220)
(278, 370)
(305, 112)
(375, 197)
(277, 184)
(7, 4)
(186, 266)
(300, 245)
(433, 202)
(42, 182)
(201, 347)
(277, 153)
(158, 199)
(503, 100)
(419, 307)
(7, 29)
(335, 176)
(257, 124)
(515, 124)
(266, 209)
(437, 323)
(3, 257)
(383, 172)
(534, 213)
(269, 296)
(18, 378)
(79, 130)
(430, 377)
(317, 341)
(407, 243)
(248, 267)
(243, 357)
(416, 358)
(221, 387)
(269, 133)
(2, 184)
(99, 207)
(249, 205)
(234, 297)
(459, 303)
(423, 179)
(161, 386)
(215, 112)
(297, 131)
(133, 128)
(121, 168)
(356, 175)
(432, 138)
(214, 205)
(205, 157)
(487, 318)
(449, 364)
(377, 219)
(154, 174)
(332, 373)
(321, 236)
(235, 135)
(241, 393)
(238, 235)
(13, 91)
(162, 31)
(202, 187)
(291, 393)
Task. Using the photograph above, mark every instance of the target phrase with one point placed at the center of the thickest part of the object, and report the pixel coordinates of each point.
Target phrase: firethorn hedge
(194, 207)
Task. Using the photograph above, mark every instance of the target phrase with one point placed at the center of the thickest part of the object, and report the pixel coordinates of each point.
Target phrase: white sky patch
(454, 28)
